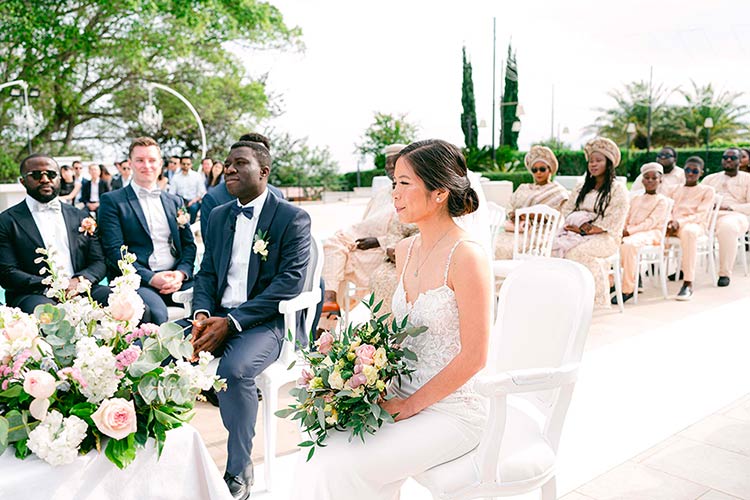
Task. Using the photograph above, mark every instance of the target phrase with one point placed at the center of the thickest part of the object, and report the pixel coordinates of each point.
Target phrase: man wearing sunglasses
(673, 175)
(732, 223)
(42, 221)
(689, 220)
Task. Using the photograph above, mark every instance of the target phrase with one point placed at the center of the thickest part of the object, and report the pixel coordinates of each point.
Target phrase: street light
(155, 114)
(27, 120)
(708, 124)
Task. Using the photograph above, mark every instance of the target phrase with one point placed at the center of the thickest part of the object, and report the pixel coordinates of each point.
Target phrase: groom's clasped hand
(209, 334)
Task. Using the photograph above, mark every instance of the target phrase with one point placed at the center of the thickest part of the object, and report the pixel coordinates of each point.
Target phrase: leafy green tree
(509, 103)
(295, 163)
(385, 130)
(703, 102)
(91, 58)
(469, 115)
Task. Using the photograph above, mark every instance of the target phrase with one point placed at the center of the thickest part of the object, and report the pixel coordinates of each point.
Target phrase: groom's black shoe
(239, 486)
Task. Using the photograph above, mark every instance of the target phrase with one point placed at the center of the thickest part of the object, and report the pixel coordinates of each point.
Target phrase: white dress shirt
(94, 191)
(54, 232)
(156, 218)
(242, 247)
(188, 186)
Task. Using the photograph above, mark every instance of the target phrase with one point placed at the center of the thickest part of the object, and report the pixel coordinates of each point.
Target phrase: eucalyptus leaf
(283, 413)
(4, 426)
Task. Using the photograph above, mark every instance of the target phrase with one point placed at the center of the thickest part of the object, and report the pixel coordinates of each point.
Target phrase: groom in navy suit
(147, 221)
(257, 253)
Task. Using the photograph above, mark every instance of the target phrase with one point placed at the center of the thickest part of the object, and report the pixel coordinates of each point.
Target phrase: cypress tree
(469, 115)
(510, 95)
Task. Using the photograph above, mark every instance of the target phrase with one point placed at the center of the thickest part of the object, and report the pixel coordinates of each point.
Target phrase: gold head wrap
(541, 154)
(605, 146)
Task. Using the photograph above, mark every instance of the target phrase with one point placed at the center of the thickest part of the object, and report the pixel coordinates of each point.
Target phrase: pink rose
(126, 306)
(365, 353)
(21, 328)
(38, 408)
(115, 418)
(39, 384)
(357, 380)
(325, 342)
(306, 377)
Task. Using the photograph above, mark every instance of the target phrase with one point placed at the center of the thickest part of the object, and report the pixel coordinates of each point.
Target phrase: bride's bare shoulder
(402, 247)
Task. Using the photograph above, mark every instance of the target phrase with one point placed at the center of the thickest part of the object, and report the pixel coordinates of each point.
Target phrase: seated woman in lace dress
(445, 285)
(542, 164)
(607, 199)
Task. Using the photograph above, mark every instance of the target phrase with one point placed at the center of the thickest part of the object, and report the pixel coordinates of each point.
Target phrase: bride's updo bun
(440, 164)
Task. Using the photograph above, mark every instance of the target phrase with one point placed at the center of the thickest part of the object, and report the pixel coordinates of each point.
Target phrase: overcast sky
(405, 57)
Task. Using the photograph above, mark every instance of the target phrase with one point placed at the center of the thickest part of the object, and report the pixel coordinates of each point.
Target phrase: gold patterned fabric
(605, 146)
(543, 154)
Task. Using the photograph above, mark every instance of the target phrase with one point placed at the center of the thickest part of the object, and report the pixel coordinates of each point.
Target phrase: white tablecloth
(184, 471)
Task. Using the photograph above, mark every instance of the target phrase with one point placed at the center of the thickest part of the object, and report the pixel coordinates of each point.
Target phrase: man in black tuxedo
(41, 221)
(92, 190)
(124, 175)
(149, 222)
(238, 290)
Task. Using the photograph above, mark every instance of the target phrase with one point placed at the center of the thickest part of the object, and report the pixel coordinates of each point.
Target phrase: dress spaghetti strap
(448, 264)
(406, 262)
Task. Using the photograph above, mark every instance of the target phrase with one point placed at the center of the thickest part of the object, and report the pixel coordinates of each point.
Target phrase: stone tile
(714, 467)
(574, 495)
(723, 432)
(634, 481)
(654, 449)
(717, 495)
(739, 410)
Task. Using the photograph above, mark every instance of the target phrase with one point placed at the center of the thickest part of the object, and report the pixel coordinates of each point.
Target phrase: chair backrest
(497, 218)
(543, 319)
(713, 215)
(662, 241)
(535, 229)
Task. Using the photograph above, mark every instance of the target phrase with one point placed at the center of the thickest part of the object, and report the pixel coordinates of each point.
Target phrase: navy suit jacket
(280, 277)
(19, 239)
(86, 190)
(218, 195)
(122, 222)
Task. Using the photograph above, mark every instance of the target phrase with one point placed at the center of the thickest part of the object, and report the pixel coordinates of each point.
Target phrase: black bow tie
(246, 211)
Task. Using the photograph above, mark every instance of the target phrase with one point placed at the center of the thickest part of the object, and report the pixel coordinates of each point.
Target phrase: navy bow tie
(246, 211)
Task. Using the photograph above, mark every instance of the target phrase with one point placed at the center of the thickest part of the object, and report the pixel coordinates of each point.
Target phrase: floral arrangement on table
(348, 377)
(75, 373)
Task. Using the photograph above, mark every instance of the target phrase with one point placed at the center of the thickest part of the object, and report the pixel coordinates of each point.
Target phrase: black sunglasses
(665, 155)
(538, 169)
(730, 157)
(37, 174)
(692, 171)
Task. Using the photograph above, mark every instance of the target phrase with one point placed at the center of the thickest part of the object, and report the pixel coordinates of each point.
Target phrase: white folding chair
(706, 243)
(615, 270)
(497, 218)
(654, 256)
(529, 380)
(185, 297)
(534, 233)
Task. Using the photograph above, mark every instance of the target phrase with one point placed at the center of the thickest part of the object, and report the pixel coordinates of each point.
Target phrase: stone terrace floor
(661, 409)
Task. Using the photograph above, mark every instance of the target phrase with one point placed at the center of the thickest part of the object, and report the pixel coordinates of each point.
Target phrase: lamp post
(152, 117)
(708, 124)
(630, 133)
(26, 119)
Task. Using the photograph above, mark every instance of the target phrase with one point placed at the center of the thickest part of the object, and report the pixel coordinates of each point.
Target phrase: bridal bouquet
(348, 377)
(74, 373)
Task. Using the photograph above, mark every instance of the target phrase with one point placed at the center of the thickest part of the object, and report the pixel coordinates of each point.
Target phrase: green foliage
(349, 179)
(297, 163)
(385, 130)
(677, 125)
(8, 167)
(517, 178)
(469, 114)
(509, 103)
(90, 60)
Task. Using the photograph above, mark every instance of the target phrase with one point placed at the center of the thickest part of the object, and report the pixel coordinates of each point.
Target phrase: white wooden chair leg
(549, 490)
(618, 287)
(270, 402)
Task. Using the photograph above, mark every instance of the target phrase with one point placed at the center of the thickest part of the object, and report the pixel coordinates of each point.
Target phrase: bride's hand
(400, 406)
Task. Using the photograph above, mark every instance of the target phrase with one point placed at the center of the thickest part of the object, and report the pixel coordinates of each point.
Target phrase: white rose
(371, 373)
(115, 418)
(39, 384)
(380, 358)
(126, 306)
(335, 380)
(260, 247)
(38, 408)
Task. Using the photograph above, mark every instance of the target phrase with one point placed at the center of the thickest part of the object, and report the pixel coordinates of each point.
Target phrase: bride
(445, 285)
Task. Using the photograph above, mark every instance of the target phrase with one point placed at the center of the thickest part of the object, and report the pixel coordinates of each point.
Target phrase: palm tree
(704, 102)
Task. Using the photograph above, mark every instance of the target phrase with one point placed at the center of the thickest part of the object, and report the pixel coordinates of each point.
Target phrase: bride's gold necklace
(419, 251)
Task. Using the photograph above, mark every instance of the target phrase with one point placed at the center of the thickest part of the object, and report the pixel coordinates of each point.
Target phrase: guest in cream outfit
(689, 220)
(542, 164)
(673, 175)
(732, 223)
(607, 199)
(644, 225)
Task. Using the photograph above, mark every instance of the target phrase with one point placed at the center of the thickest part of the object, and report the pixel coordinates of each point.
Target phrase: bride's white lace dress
(376, 469)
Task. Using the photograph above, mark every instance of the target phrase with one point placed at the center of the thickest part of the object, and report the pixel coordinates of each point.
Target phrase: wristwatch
(581, 231)
(232, 327)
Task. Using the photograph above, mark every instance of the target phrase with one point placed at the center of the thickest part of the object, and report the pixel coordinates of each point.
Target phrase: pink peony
(21, 328)
(357, 380)
(126, 306)
(365, 353)
(115, 418)
(325, 342)
(39, 384)
(74, 373)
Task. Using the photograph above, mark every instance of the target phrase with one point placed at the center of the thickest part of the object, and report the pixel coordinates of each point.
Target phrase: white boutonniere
(183, 217)
(260, 245)
(88, 226)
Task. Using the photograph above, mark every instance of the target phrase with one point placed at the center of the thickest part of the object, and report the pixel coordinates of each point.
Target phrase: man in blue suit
(153, 225)
(257, 250)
